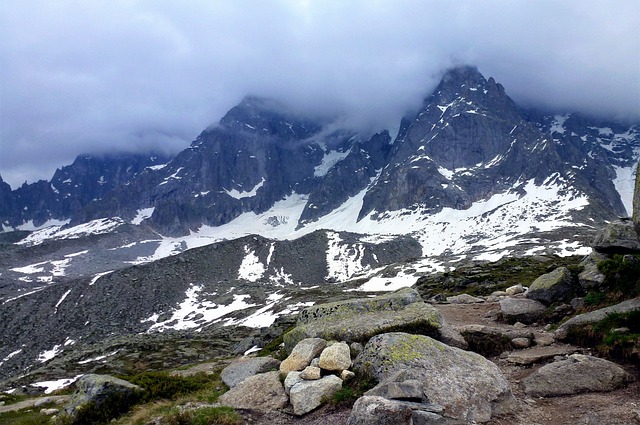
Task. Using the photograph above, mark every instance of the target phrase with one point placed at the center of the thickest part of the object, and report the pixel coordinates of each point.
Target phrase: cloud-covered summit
(96, 76)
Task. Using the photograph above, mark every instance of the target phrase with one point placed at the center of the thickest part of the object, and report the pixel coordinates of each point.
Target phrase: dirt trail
(31, 402)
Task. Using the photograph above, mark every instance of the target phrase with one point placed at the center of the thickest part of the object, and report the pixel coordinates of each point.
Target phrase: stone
(347, 375)
(464, 299)
(617, 238)
(103, 391)
(514, 290)
(577, 303)
(336, 357)
(355, 348)
(306, 396)
(595, 316)
(315, 362)
(291, 379)
(263, 392)
(539, 354)
(544, 339)
(244, 367)
(374, 410)
(521, 342)
(519, 325)
(409, 390)
(551, 287)
(49, 412)
(357, 320)
(521, 310)
(310, 373)
(590, 277)
(579, 373)
(452, 336)
(302, 354)
(491, 341)
(467, 385)
(427, 418)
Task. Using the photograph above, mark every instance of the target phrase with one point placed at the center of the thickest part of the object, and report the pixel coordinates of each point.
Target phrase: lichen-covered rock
(616, 238)
(244, 367)
(374, 410)
(551, 287)
(360, 319)
(305, 396)
(263, 392)
(302, 354)
(579, 373)
(410, 390)
(521, 310)
(467, 385)
(590, 277)
(336, 357)
(106, 394)
(595, 316)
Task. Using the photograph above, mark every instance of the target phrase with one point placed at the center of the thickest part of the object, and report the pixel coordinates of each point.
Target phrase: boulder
(514, 290)
(302, 354)
(590, 277)
(579, 373)
(491, 341)
(374, 410)
(109, 395)
(336, 357)
(467, 385)
(359, 319)
(262, 392)
(409, 390)
(539, 354)
(244, 367)
(551, 287)
(464, 299)
(595, 316)
(306, 396)
(521, 310)
(616, 238)
(291, 379)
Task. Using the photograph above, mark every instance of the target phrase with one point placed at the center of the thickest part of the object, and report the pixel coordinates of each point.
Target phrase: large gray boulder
(262, 392)
(467, 385)
(359, 319)
(244, 367)
(579, 373)
(551, 287)
(306, 396)
(521, 310)
(109, 396)
(378, 410)
(618, 237)
(590, 277)
(302, 354)
(595, 316)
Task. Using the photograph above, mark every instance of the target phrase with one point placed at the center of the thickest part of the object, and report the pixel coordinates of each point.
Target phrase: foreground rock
(245, 367)
(302, 354)
(521, 310)
(263, 392)
(306, 396)
(360, 319)
(590, 277)
(579, 373)
(551, 287)
(595, 316)
(467, 385)
(108, 395)
(617, 237)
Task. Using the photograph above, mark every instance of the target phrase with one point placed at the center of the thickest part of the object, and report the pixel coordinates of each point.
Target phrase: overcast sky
(87, 76)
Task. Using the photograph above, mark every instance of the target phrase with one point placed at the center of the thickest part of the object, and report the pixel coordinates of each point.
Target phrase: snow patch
(251, 268)
(329, 159)
(239, 195)
(142, 214)
(625, 183)
(56, 384)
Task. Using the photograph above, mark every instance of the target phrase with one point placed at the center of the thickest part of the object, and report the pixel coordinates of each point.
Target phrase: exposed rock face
(374, 410)
(245, 367)
(596, 316)
(302, 354)
(578, 373)
(308, 395)
(111, 395)
(464, 299)
(262, 392)
(360, 319)
(521, 310)
(590, 277)
(616, 238)
(466, 384)
(551, 287)
(491, 341)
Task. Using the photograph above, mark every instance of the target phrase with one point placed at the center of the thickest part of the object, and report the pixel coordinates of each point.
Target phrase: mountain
(269, 210)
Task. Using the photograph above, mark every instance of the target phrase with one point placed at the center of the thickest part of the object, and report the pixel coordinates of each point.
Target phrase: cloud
(92, 76)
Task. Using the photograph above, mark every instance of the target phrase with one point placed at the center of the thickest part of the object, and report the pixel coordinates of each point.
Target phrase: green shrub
(161, 385)
(594, 298)
(204, 416)
(23, 417)
(622, 273)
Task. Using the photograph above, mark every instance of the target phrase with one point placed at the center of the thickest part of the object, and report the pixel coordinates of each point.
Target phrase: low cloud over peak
(95, 76)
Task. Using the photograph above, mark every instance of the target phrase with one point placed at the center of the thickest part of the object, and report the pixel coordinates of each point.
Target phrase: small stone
(577, 303)
(291, 379)
(356, 348)
(310, 373)
(623, 330)
(49, 412)
(515, 289)
(336, 357)
(315, 362)
(347, 375)
(521, 342)
(519, 325)
(544, 340)
(464, 299)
